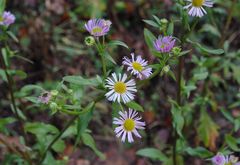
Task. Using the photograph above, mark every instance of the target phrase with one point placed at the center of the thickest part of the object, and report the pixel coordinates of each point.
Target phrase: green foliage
(152, 153)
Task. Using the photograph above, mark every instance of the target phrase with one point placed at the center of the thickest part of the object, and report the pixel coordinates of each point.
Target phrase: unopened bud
(163, 24)
(53, 106)
(70, 91)
(89, 41)
(164, 21)
(176, 51)
(54, 92)
(166, 69)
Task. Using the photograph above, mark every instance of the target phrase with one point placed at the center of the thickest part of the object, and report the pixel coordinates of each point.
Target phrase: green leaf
(227, 115)
(152, 153)
(199, 152)
(109, 57)
(157, 19)
(83, 122)
(58, 146)
(152, 23)
(135, 106)
(89, 141)
(232, 142)
(12, 36)
(38, 128)
(184, 52)
(170, 28)
(178, 120)
(5, 56)
(29, 88)
(79, 80)
(149, 38)
(2, 6)
(205, 49)
(207, 129)
(117, 43)
(200, 76)
(4, 122)
(210, 29)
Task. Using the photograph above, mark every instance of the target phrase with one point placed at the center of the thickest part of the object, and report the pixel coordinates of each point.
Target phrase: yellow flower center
(120, 87)
(137, 66)
(96, 30)
(197, 3)
(228, 163)
(129, 124)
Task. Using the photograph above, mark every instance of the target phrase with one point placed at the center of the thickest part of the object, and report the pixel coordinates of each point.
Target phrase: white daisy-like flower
(137, 66)
(128, 123)
(196, 6)
(120, 89)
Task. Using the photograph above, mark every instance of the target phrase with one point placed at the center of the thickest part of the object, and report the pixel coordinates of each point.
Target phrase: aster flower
(196, 6)
(164, 44)
(137, 66)
(98, 27)
(128, 123)
(45, 97)
(7, 18)
(120, 89)
(219, 159)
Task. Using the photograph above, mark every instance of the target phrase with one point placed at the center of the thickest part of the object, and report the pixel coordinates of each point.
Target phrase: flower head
(45, 97)
(98, 27)
(164, 44)
(128, 123)
(7, 18)
(120, 90)
(196, 6)
(137, 66)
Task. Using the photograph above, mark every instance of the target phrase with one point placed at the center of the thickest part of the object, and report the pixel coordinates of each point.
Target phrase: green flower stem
(100, 49)
(56, 138)
(104, 66)
(76, 115)
(228, 22)
(12, 97)
(179, 90)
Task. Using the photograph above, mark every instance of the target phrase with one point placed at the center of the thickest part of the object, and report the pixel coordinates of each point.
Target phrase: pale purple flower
(120, 89)
(98, 27)
(128, 124)
(137, 66)
(45, 97)
(219, 159)
(196, 7)
(7, 18)
(164, 44)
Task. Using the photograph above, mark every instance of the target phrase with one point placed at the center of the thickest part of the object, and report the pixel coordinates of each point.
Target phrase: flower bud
(54, 92)
(176, 51)
(53, 106)
(70, 91)
(89, 41)
(164, 21)
(166, 69)
(163, 24)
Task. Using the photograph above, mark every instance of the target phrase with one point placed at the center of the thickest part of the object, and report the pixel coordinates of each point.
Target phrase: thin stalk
(100, 49)
(104, 66)
(63, 130)
(12, 97)
(56, 138)
(179, 101)
(228, 23)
